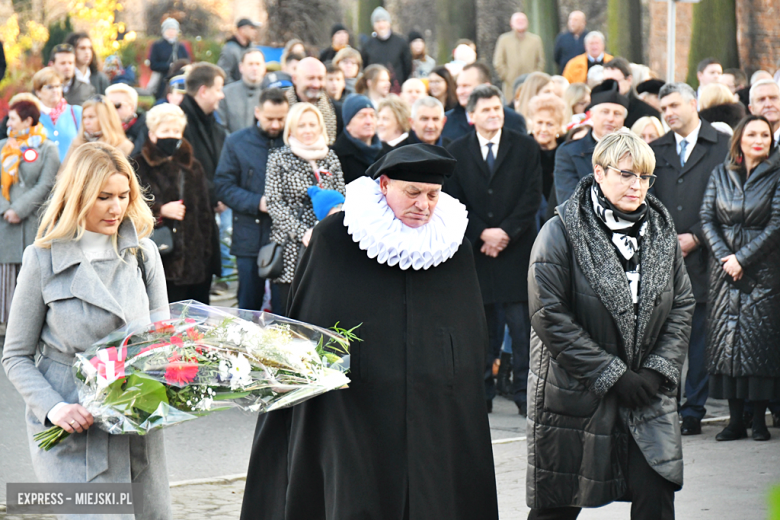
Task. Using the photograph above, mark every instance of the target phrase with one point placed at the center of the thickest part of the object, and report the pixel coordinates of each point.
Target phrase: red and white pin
(30, 155)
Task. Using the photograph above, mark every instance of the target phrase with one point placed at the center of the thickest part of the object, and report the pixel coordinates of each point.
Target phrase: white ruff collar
(374, 226)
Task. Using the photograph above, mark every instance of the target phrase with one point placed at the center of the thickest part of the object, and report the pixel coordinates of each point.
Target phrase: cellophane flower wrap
(193, 359)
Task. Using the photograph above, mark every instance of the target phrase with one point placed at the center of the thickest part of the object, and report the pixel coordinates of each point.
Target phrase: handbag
(270, 258)
(163, 235)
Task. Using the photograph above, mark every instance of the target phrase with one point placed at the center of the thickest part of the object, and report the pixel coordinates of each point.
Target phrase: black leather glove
(653, 378)
(633, 391)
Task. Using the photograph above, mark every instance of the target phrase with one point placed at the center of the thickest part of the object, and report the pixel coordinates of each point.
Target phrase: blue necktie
(683, 146)
(490, 159)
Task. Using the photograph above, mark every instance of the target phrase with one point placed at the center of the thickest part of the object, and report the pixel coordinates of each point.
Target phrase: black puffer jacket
(743, 332)
(730, 113)
(584, 336)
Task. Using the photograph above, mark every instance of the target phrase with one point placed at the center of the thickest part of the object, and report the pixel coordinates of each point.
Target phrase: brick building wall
(758, 36)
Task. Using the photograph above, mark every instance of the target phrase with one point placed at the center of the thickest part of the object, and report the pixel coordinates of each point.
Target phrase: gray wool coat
(237, 109)
(35, 182)
(62, 305)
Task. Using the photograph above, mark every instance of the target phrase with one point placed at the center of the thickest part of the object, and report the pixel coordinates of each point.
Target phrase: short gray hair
(483, 92)
(595, 34)
(685, 91)
(429, 102)
(761, 83)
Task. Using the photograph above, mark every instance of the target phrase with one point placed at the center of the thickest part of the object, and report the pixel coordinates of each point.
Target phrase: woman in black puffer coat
(740, 218)
(611, 310)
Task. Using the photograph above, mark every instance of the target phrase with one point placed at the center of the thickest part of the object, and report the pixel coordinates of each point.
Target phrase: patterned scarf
(12, 154)
(57, 111)
(627, 230)
(326, 108)
(91, 137)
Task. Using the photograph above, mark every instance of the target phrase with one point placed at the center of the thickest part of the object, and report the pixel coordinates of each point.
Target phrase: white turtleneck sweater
(96, 246)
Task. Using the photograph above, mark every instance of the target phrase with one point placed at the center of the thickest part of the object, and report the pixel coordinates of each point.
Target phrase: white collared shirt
(691, 138)
(484, 142)
(777, 136)
(596, 60)
(398, 139)
(84, 78)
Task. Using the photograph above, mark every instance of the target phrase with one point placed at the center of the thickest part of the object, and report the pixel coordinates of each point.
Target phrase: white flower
(223, 370)
(240, 372)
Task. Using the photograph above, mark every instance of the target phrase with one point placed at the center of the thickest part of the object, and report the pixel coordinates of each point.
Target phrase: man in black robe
(409, 438)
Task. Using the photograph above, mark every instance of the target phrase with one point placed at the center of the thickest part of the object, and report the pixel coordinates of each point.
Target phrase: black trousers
(651, 495)
(515, 316)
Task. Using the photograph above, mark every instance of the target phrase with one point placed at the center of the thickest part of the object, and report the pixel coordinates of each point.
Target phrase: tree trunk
(365, 8)
(624, 28)
(456, 19)
(714, 35)
(543, 20)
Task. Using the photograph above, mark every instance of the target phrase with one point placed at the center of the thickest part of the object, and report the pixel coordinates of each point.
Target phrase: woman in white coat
(78, 282)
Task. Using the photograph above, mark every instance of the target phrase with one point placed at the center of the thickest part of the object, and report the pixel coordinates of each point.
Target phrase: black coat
(509, 199)
(744, 220)
(573, 162)
(731, 114)
(393, 53)
(138, 133)
(458, 125)
(638, 109)
(240, 184)
(190, 261)
(568, 46)
(353, 162)
(583, 327)
(412, 429)
(681, 189)
(207, 137)
(410, 139)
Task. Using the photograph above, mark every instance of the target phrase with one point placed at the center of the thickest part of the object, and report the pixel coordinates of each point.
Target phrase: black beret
(415, 163)
(651, 86)
(607, 92)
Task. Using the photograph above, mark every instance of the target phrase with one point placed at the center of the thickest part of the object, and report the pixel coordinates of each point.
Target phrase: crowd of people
(618, 223)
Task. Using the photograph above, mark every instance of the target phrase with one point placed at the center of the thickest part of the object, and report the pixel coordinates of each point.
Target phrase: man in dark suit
(620, 70)
(573, 160)
(499, 179)
(458, 123)
(685, 158)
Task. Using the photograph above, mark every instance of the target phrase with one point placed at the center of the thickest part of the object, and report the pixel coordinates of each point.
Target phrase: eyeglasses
(628, 178)
(52, 87)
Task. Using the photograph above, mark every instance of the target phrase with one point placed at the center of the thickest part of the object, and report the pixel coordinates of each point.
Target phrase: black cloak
(410, 438)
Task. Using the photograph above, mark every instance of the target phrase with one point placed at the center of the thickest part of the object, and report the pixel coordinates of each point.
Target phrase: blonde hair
(77, 188)
(294, 115)
(25, 96)
(532, 85)
(162, 113)
(613, 147)
(715, 94)
(399, 108)
(127, 90)
(110, 124)
(351, 54)
(573, 95)
(549, 102)
(44, 77)
(642, 123)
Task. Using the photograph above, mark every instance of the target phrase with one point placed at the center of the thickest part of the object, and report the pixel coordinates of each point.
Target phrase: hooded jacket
(584, 336)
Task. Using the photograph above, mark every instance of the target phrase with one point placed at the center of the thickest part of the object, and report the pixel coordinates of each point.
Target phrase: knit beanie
(324, 200)
(380, 13)
(352, 105)
(336, 28)
(415, 35)
(170, 23)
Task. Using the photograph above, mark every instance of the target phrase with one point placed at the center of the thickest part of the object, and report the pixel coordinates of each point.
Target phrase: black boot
(760, 431)
(504, 377)
(736, 427)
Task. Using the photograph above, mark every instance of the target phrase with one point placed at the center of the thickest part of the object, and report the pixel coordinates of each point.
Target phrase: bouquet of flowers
(193, 359)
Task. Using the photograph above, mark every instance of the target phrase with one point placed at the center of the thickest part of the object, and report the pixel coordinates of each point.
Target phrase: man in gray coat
(233, 51)
(63, 59)
(236, 110)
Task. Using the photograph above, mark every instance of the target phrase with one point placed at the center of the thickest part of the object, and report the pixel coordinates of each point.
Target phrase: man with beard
(240, 185)
(309, 86)
(409, 439)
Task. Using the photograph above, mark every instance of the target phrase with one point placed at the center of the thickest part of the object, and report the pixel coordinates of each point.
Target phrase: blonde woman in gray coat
(80, 281)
